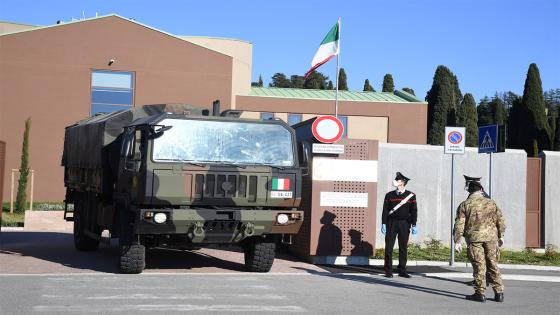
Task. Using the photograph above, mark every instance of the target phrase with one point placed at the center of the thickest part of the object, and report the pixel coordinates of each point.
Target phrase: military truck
(176, 176)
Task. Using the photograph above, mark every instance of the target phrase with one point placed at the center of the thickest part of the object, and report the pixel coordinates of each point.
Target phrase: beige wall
(362, 127)
(45, 74)
(6, 27)
(405, 122)
(242, 54)
(359, 127)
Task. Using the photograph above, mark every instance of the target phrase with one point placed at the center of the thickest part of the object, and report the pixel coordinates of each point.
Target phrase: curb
(380, 262)
(11, 229)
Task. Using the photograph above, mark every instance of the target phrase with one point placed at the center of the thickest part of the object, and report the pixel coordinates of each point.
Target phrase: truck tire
(132, 259)
(82, 242)
(259, 255)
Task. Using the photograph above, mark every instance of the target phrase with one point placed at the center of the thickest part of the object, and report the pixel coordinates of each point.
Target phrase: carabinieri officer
(399, 216)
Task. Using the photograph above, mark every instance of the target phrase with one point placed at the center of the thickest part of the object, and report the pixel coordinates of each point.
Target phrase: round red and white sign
(327, 129)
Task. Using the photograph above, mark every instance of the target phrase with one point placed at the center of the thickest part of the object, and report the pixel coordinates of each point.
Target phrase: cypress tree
(557, 136)
(368, 87)
(470, 120)
(23, 169)
(260, 81)
(515, 124)
(316, 80)
(484, 111)
(330, 86)
(342, 84)
(497, 110)
(409, 90)
(442, 98)
(388, 84)
(536, 136)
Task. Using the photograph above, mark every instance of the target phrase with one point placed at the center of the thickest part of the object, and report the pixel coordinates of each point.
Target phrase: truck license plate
(280, 194)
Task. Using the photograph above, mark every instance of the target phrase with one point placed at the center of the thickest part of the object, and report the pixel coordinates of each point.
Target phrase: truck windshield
(224, 142)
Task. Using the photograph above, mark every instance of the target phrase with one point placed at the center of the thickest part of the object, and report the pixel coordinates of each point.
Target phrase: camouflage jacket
(479, 219)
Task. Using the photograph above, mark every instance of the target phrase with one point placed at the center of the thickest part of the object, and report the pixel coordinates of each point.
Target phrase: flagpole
(337, 72)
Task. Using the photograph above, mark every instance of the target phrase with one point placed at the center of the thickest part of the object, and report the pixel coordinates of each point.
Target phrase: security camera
(111, 61)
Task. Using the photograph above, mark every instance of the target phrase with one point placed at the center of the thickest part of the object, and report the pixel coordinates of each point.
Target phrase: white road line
(464, 275)
(159, 296)
(167, 308)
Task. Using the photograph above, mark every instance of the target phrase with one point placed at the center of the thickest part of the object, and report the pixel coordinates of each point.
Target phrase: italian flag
(280, 184)
(328, 49)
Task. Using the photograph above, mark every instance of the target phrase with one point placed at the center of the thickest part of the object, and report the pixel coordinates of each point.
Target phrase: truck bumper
(217, 226)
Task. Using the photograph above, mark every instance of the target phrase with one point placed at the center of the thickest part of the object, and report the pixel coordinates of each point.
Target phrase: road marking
(464, 275)
(60, 277)
(167, 308)
(159, 296)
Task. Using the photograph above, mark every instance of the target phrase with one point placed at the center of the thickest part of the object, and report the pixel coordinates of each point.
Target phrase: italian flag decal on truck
(280, 188)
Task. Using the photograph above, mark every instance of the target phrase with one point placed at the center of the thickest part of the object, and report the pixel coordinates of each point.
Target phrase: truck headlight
(160, 217)
(282, 218)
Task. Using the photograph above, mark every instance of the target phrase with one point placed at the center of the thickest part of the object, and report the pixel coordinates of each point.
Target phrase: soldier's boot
(476, 297)
(499, 297)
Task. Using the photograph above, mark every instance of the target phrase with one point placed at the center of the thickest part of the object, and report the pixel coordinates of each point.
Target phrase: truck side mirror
(305, 157)
(127, 145)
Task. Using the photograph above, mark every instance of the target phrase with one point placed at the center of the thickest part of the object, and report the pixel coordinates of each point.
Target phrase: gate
(533, 206)
(2, 163)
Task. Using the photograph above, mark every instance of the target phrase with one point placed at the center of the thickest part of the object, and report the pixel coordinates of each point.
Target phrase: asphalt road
(42, 273)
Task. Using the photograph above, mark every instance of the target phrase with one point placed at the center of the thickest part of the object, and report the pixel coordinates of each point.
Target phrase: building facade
(60, 74)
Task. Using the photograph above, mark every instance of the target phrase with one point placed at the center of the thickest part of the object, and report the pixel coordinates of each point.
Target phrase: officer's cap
(470, 179)
(400, 176)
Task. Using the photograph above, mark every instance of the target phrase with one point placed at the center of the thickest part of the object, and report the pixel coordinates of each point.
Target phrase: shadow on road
(386, 282)
(59, 248)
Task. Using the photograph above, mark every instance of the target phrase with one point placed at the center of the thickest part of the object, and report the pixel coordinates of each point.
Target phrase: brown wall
(45, 74)
(407, 121)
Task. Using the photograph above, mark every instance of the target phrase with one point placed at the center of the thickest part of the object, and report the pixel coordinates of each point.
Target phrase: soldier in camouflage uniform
(480, 221)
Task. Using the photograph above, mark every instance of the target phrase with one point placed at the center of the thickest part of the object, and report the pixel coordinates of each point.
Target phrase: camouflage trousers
(484, 260)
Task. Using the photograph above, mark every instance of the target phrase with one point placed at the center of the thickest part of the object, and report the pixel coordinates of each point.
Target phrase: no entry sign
(454, 140)
(327, 129)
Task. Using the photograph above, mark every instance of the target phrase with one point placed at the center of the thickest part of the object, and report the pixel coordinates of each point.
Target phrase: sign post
(491, 139)
(454, 144)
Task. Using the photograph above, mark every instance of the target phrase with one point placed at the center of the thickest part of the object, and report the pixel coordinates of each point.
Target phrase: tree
(388, 85)
(342, 84)
(279, 80)
(469, 120)
(409, 90)
(23, 169)
(260, 81)
(515, 121)
(557, 136)
(484, 112)
(537, 135)
(368, 87)
(330, 86)
(552, 103)
(443, 98)
(297, 81)
(497, 110)
(316, 80)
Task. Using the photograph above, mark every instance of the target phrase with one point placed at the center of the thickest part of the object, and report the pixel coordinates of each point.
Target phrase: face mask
(395, 183)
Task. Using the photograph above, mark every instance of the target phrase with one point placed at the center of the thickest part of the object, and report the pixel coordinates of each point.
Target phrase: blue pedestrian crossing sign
(488, 139)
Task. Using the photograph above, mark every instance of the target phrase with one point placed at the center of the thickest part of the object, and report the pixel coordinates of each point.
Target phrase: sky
(487, 44)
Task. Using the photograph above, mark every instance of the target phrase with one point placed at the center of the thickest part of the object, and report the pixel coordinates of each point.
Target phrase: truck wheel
(133, 259)
(259, 255)
(81, 240)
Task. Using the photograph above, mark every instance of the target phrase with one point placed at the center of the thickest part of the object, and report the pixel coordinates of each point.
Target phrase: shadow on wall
(330, 237)
(361, 248)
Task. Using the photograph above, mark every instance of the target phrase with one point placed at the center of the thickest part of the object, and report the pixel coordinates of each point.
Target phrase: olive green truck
(176, 176)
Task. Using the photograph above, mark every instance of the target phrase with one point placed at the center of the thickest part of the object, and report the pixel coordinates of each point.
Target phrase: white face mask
(395, 183)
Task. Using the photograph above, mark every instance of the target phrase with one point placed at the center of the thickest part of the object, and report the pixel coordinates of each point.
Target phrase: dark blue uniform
(398, 224)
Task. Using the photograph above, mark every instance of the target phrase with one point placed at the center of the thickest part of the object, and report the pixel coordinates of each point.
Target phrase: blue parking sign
(488, 139)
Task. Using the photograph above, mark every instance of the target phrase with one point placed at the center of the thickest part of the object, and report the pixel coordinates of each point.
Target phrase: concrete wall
(430, 172)
(551, 205)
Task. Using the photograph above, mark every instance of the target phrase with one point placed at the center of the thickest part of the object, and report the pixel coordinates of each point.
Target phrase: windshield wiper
(275, 166)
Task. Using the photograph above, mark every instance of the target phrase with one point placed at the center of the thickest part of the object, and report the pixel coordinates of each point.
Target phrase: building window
(267, 116)
(294, 119)
(111, 91)
(344, 121)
